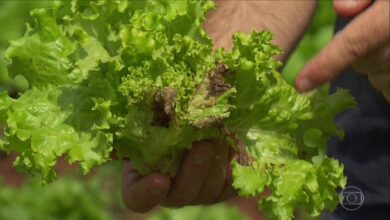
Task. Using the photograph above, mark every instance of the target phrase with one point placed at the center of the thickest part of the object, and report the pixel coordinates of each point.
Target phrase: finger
(361, 36)
(216, 177)
(192, 174)
(374, 62)
(228, 191)
(140, 194)
(381, 82)
(349, 8)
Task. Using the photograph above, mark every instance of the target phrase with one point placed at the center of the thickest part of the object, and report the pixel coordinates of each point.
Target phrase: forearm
(287, 20)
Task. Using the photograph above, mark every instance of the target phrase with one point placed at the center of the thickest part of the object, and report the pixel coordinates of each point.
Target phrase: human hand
(204, 178)
(210, 181)
(364, 44)
(286, 20)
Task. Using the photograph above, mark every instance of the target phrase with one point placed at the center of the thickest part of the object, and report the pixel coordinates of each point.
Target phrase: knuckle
(354, 46)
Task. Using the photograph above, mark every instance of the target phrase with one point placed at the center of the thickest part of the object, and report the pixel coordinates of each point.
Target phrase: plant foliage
(141, 77)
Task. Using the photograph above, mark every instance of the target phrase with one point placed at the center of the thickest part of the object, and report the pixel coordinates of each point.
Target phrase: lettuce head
(141, 77)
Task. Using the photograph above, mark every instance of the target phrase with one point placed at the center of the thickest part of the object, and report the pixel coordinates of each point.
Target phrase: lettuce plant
(140, 77)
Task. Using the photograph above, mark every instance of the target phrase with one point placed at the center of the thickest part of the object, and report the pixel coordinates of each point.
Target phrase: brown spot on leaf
(163, 107)
(217, 85)
(13, 93)
(243, 158)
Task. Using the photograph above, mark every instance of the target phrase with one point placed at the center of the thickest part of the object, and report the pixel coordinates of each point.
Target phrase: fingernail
(156, 191)
(199, 159)
(305, 84)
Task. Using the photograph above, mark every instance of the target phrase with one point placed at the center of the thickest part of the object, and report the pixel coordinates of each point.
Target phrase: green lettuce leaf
(214, 212)
(140, 77)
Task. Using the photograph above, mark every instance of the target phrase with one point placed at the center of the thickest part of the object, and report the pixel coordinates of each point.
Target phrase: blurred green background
(319, 33)
(97, 196)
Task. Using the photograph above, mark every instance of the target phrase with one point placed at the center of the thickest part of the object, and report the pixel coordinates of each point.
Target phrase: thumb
(365, 33)
(349, 8)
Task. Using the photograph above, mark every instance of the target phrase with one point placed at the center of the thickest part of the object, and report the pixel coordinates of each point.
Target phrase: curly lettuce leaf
(141, 77)
(94, 89)
(287, 136)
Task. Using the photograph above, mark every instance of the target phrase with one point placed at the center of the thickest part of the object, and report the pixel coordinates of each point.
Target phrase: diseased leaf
(141, 77)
